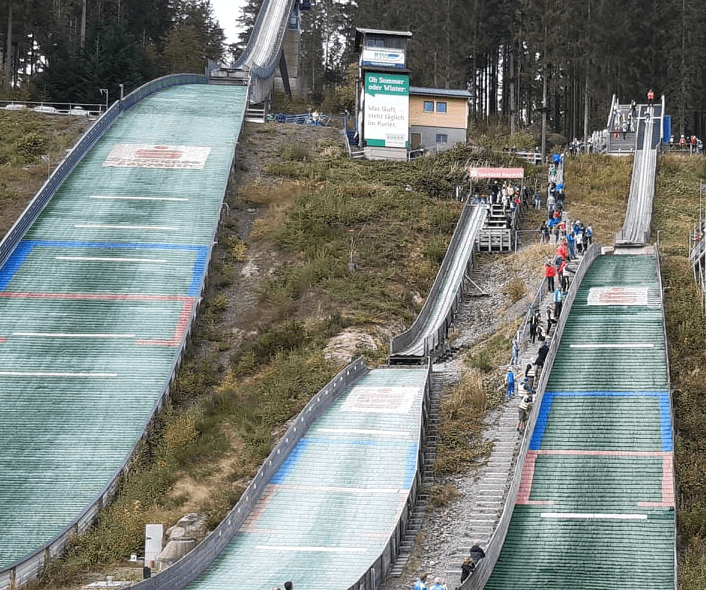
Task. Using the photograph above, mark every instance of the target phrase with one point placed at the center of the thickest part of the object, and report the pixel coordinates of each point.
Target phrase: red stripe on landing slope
(180, 328)
(526, 482)
(261, 506)
(668, 495)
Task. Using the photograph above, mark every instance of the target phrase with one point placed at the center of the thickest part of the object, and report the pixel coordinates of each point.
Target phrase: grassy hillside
(283, 312)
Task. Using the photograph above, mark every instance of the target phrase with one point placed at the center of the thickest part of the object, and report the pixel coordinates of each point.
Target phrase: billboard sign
(380, 57)
(496, 172)
(386, 109)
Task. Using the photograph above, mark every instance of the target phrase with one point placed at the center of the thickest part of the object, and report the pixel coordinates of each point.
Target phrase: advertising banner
(386, 109)
(496, 172)
(383, 58)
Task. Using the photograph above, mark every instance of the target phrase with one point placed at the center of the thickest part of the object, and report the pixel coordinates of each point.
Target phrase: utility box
(153, 543)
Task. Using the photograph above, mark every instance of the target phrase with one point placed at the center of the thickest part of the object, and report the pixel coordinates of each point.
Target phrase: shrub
(295, 152)
(30, 146)
(435, 250)
(443, 495)
(516, 289)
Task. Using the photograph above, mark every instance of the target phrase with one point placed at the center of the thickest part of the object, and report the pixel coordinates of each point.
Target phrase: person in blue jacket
(570, 245)
(421, 583)
(558, 297)
(510, 382)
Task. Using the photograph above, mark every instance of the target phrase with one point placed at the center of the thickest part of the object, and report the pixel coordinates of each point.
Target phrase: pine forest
(516, 57)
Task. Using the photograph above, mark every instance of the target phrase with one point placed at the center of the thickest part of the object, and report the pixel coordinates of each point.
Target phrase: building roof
(440, 92)
(360, 33)
(382, 32)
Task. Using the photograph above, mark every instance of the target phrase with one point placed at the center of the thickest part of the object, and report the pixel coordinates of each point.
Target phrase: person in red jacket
(550, 276)
(562, 250)
(650, 97)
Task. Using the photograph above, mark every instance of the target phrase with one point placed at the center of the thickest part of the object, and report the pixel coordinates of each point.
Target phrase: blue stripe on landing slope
(24, 248)
(292, 460)
(666, 427)
(296, 453)
(666, 430)
(13, 263)
(410, 467)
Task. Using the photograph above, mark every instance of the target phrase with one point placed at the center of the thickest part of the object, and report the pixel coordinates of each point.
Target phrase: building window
(428, 106)
(441, 138)
(441, 107)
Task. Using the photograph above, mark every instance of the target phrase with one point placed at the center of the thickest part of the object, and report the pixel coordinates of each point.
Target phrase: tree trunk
(543, 132)
(586, 107)
(512, 96)
(683, 72)
(448, 31)
(8, 57)
(83, 24)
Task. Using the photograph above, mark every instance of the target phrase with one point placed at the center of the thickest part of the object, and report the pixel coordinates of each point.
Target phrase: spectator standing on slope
(540, 359)
(550, 276)
(550, 319)
(579, 240)
(557, 298)
(510, 382)
(570, 245)
(524, 407)
(467, 569)
(476, 553)
(529, 378)
(588, 235)
(533, 327)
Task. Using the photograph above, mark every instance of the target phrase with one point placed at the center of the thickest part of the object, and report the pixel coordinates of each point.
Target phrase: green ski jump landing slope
(96, 301)
(596, 506)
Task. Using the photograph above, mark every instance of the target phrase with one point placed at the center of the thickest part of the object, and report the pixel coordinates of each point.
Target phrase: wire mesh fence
(526, 237)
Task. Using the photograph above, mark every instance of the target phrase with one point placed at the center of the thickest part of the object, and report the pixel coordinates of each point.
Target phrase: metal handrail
(483, 571)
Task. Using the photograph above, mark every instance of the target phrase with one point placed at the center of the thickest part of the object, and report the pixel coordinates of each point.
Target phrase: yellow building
(438, 118)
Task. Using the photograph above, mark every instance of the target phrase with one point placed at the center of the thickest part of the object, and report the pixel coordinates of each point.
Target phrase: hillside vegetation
(284, 311)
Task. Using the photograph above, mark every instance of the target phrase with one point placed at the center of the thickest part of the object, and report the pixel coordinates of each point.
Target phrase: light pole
(352, 264)
(105, 91)
(48, 159)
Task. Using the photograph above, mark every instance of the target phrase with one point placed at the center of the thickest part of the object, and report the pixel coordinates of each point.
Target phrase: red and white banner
(135, 155)
(618, 296)
(496, 172)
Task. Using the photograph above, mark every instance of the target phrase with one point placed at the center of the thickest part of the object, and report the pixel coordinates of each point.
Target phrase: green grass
(676, 209)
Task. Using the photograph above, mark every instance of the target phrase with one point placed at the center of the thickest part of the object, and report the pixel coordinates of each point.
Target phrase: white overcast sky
(226, 13)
